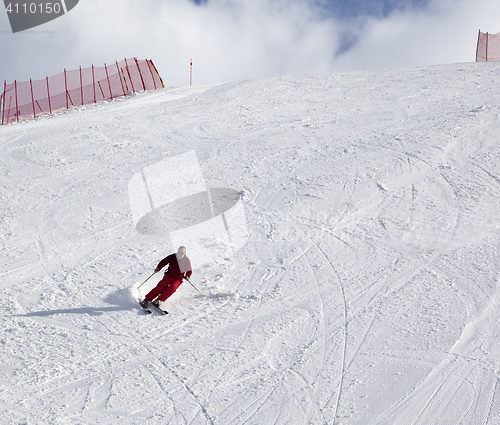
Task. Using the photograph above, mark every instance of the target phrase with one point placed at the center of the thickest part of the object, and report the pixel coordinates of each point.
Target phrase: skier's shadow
(119, 300)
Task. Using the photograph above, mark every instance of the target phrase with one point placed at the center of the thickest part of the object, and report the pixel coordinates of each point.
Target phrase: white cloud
(238, 39)
(445, 32)
(226, 39)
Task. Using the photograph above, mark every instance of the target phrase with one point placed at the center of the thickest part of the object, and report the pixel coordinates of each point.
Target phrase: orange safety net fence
(488, 47)
(20, 101)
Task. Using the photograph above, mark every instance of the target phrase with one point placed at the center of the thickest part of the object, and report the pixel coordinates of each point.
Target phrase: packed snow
(365, 290)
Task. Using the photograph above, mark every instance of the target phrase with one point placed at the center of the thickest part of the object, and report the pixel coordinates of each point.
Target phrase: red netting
(68, 89)
(488, 47)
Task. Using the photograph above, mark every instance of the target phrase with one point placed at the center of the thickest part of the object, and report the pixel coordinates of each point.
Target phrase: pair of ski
(148, 309)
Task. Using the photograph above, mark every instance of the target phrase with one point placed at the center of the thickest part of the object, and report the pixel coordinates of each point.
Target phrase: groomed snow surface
(367, 291)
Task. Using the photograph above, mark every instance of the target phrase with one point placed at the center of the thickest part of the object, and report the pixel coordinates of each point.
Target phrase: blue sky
(240, 39)
(353, 8)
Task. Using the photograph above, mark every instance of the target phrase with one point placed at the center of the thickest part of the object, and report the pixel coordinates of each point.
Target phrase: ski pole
(146, 280)
(193, 286)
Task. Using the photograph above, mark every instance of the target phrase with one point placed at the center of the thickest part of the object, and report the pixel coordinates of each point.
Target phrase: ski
(159, 309)
(146, 309)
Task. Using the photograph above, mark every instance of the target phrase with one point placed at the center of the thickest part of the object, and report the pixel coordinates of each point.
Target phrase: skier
(179, 268)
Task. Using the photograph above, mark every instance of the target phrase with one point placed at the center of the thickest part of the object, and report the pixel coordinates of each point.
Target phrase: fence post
(102, 92)
(129, 76)
(121, 81)
(17, 105)
(4, 90)
(8, 112)
(157, 73)
(151, 71)
(93, 81)
(81, 83)
(66, 88)
(140, 74)
(71, 100)
(32, 98)
(48, 94)
(477, 47)
(487, 36)
(124, 79)
(109, 84)
(191, 72)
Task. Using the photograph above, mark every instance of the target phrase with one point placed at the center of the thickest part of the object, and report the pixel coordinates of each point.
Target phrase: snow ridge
(367, 291)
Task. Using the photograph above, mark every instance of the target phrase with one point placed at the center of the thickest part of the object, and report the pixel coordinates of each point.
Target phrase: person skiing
(179, 268)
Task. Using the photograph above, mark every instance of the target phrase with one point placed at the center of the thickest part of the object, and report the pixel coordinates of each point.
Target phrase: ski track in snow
(368, 291)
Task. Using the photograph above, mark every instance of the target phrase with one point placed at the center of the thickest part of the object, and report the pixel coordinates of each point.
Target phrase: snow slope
(367, 291)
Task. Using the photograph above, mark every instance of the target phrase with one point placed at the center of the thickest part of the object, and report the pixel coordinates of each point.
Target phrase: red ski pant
(165, 288)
